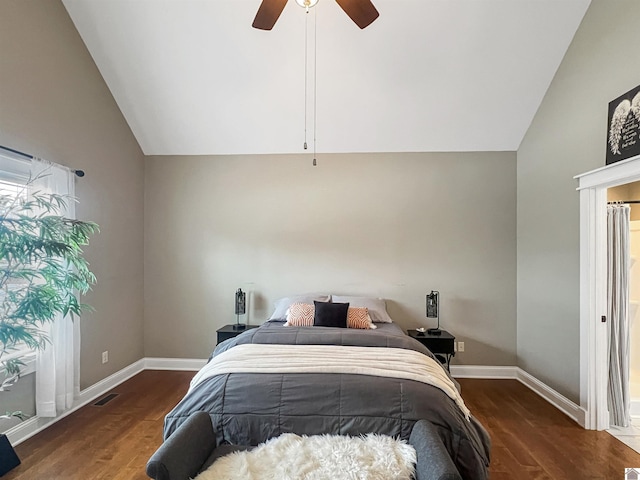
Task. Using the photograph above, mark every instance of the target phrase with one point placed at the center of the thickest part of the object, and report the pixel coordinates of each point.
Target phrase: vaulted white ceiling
(193, 77)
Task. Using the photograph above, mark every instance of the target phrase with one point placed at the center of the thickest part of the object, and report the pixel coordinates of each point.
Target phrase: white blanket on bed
(376, 361)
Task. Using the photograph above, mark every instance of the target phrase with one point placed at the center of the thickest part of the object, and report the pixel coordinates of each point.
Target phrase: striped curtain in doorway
(618, 264)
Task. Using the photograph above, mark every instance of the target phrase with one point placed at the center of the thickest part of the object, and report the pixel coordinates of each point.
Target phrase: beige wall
(389, 225)
(55, 104)
(567, 137)
(627, 192)
(619, 193)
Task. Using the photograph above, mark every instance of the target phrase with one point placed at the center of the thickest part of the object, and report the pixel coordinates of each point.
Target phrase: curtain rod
(623, 201)
(79, 173)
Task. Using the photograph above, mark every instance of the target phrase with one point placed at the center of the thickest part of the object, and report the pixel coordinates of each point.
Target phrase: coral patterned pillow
(300, 315)
(358, 317)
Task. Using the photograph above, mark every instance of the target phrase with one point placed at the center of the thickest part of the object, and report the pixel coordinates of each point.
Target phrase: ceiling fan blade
(268, 14)
(362, 12)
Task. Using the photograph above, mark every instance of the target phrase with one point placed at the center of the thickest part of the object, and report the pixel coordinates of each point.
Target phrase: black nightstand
(440, 345)
(227, 332)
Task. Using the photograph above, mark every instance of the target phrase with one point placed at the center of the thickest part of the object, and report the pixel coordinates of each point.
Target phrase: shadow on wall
(256, 302)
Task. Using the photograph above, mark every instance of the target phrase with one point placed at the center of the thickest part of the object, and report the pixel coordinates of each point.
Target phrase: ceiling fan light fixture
(362, 12)
(306, 4)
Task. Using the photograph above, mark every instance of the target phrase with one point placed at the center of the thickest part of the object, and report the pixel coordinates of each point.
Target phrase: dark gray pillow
(330, 314)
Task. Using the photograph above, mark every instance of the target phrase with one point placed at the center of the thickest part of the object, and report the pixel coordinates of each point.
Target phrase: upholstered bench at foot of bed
(192, 448)
(433, 460)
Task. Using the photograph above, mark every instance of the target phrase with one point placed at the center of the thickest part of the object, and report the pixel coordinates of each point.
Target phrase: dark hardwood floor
(109, 442)
(531, 439)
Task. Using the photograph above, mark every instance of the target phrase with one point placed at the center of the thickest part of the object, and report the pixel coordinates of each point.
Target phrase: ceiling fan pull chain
(315, 82)
(305, 79)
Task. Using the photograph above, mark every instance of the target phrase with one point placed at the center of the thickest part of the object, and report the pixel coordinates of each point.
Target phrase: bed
(248, 407)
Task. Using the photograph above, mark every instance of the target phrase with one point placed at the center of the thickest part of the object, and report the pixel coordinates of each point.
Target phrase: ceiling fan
(362, 12)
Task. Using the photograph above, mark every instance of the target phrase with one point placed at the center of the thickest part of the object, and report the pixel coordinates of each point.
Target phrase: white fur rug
(320, 457)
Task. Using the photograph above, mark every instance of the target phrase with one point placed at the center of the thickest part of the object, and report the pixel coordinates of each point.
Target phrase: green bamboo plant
(42, 272)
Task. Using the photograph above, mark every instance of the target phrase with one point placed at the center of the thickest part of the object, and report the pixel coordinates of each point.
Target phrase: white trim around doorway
(594, 360)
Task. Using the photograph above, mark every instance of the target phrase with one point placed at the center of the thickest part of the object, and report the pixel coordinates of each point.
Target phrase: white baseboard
(29, 428)
(562, 403)
(189, 364)
(112, 381)
(483, 371)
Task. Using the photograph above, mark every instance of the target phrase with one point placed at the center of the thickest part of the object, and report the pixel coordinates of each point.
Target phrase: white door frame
(594, 357)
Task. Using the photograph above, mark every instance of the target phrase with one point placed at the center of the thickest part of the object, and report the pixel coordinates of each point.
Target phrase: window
(38, 238)
(13, 188)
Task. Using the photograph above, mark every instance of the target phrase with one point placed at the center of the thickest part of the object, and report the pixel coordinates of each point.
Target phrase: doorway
(630, 193)
(593, 188)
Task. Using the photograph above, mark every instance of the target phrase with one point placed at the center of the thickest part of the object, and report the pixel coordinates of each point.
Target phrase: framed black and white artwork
(623, 129)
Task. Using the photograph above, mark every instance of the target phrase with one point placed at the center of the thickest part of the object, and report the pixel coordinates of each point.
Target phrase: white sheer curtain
(618, 264)
(58, 364)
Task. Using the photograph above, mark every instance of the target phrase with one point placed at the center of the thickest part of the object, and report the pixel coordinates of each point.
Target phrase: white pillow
(377, 306)
(282, 305)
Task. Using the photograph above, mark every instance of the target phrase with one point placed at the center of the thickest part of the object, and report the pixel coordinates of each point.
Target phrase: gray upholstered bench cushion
(221, 451)
(192, 448)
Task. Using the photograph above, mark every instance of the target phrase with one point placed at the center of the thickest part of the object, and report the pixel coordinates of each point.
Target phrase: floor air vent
(105, 400)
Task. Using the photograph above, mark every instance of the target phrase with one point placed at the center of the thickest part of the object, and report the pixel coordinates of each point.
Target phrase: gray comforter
(249, 408)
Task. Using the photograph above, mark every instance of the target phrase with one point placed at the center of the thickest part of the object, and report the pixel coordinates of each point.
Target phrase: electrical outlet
(105, 356)
(461, 346)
